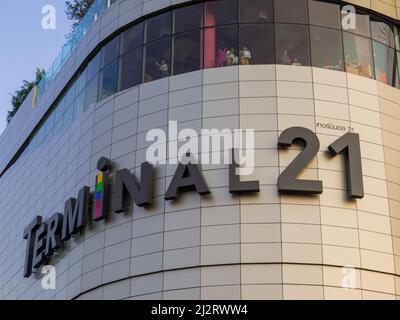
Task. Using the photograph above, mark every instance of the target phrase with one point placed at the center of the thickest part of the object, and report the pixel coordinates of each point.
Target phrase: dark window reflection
(130, 66)
(256, 44)
(68, 117)
(108, 80)
(132, 38)
(80, 103)
(358, 55)
(221, 47)
(110, 52)
(187, 52)
(256, 11)
(327, 48)
(91, 93)
(291, 11)
(221, 12)
(158, 27)
(93, 67)
(324, 14)
(70, 94)
(81, 81)
(158, 60)
(188, 18)
(292, 45)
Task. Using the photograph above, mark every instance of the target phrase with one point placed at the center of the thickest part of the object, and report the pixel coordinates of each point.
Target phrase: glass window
(357, 55)
(362, 26)
(132, 38)
(327, 48)
(221, 12)
(292, 45)
(75, 111)
(396, 37)
(221, 47)
(93, 67)
(158, 27)
(130, 69)
(68, 117)
(70, 95)
(384, 62)
(110, 52)
(256, 44)
(57, 64)
(91, 93)
(108, 80)
(187, 52)
(397, 71)
(188, 18)
(158, 60)
(81, 81)
(324, 14)
(382, 32)
(80, 103)
(256, 11)
(59, 110)
(291, 11)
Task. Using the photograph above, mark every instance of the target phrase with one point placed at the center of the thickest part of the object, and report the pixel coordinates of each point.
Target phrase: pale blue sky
(25, 45)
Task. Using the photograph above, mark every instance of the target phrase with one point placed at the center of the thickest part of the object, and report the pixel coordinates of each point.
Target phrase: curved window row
(95, 10)
(222, 33)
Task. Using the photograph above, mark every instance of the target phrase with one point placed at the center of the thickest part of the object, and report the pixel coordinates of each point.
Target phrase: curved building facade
(321, 72)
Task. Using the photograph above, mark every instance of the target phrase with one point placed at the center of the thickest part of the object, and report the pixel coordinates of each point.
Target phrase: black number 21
(348, 145)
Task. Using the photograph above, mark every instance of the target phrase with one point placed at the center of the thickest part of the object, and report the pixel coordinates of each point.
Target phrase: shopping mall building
(318, 79)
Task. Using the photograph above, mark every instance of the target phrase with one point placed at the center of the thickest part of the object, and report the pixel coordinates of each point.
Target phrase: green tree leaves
(19, 96)
(77, 9)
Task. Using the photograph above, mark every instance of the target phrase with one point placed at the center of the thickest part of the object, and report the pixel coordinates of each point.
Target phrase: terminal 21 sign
(46, 237)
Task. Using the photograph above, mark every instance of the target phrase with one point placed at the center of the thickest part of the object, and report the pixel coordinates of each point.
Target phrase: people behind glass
(158, 71)
(287, 60)
(162, 67)
(226, 57)
(329, 65)
(229, 57)
(355, 67)
(245, 56)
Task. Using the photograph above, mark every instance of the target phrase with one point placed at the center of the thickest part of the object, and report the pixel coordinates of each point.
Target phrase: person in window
(221, 58)
(162, 68)
(339, 65)
(296, 62)
(231, 57)
(285, 59)
(245, 56)
(329, 65)
(352, 65)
